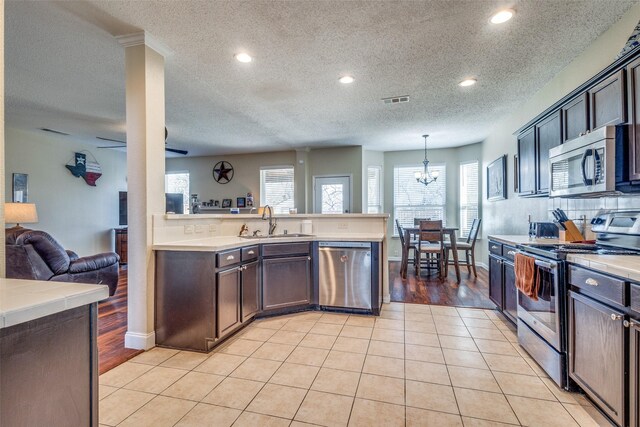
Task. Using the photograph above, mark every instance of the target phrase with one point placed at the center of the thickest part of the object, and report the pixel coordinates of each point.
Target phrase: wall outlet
(188, 229)
(213, 228)
(343, 225)
(199, 228)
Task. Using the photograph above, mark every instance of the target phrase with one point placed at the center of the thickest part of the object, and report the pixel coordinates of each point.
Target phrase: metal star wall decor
(223, 172)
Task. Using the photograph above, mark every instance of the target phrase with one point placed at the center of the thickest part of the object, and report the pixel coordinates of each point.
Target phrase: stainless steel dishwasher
(345, 274)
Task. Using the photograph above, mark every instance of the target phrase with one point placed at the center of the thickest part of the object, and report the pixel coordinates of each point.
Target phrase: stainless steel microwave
(585, 166)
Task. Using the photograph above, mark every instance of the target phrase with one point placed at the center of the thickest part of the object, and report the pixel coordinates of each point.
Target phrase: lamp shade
(18, 213)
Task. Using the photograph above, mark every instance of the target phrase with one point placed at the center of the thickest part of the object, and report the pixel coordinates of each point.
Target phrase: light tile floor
(415, 365)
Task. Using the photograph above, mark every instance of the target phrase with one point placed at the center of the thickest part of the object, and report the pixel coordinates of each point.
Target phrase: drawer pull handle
(630, 324)
(615, 316)
(251, 252)
(591, 282)
(511, 253)
(494, 247)
(230, 258)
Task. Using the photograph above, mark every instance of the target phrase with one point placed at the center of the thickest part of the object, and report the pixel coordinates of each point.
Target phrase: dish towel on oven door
(525, 269)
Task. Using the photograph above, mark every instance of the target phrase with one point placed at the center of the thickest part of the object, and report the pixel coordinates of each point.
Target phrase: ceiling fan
(166, 134)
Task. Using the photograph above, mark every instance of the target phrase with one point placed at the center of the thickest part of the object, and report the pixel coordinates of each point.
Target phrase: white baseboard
(394, 258)
(386, 299)
(140, 341)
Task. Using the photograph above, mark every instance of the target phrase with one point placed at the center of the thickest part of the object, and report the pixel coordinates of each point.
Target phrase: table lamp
(17, 213)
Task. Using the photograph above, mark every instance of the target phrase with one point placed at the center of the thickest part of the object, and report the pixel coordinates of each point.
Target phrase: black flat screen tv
(174, 204)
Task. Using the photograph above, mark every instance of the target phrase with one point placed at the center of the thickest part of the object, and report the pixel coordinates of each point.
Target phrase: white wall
(80, 217)
(510, 216)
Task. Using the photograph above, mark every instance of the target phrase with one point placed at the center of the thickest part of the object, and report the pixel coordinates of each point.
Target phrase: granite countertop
(517, 239)
(213, 244)
(25, 300)
(625, 266)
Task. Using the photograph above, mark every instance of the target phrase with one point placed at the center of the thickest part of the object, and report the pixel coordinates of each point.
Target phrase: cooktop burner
(560, 251)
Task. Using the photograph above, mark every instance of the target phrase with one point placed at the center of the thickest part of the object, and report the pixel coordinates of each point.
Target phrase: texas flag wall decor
(89, 170)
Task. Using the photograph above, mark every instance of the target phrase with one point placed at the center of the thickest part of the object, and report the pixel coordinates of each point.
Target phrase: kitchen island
(48, 353)
(210, 287)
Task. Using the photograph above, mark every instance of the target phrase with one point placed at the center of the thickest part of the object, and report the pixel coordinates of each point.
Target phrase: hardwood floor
(112, 325)
(470, 292)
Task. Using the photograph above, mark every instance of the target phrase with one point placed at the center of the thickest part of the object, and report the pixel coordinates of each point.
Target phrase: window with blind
(374, 189)
(276, 188)
(469, 195)
(178, 182)
(414, 200)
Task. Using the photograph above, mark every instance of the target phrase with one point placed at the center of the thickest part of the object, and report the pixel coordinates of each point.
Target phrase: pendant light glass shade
(425, 177)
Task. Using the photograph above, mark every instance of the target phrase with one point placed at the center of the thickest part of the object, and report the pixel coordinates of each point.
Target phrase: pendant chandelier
(425, 177)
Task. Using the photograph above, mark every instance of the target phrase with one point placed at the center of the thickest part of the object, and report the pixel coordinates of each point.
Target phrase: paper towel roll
(306, 226)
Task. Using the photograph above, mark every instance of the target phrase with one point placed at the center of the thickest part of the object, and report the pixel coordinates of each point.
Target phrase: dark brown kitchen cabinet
(548, 136)
(495, 281)
(596, 356)
(607, 102)
(228, 301)
(634, 373)
(250, 290)
(527, 162)
(286, 282)
(633, 75)
(510, 291)
(575, 117)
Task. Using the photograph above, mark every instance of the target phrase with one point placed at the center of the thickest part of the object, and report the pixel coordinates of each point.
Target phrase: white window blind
(276, 188)
(413, 200)
(374, 189)
(178, 182)
(469, 194)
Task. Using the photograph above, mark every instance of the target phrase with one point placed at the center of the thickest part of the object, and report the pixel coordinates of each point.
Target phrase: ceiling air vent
(54, 131)
(396, 99)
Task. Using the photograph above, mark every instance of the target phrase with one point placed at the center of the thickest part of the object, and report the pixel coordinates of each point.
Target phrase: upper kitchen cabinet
(548, 135)
(607, 102)
(633, 75)
(533, 155)
(527, 162)
(575, 116)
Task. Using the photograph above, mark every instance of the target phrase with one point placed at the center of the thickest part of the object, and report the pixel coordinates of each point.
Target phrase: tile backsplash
(576, 209)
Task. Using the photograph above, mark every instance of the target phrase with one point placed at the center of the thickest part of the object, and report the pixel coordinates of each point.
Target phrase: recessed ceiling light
(346, 79)
(467, 82)
(243, 57)
(502, 16)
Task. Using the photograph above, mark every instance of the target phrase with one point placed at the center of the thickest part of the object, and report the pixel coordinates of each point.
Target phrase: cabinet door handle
(591, 282)
(630, 324)
(251, 252)
(230, 258)
(615, 316)
(308, 258)
(511, 253)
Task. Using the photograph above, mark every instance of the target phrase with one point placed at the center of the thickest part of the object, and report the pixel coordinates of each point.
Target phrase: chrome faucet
(272, 222)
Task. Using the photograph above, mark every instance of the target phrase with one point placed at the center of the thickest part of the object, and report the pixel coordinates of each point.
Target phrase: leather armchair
(35, 255)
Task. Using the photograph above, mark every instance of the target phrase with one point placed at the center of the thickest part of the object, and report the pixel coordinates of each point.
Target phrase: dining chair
(431, 244)
(406, 249)
(468, 247)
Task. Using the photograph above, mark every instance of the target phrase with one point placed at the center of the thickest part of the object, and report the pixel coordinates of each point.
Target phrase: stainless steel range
(542, 323)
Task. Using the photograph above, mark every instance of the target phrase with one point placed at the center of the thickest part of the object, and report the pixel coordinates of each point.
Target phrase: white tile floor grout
(414, 365)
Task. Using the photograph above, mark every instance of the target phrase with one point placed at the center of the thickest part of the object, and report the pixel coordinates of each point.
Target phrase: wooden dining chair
(468, 247)
(407, 247)
(431, 244)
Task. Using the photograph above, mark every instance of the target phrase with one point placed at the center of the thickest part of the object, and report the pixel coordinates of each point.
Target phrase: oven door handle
(588, 152)
(548, 265)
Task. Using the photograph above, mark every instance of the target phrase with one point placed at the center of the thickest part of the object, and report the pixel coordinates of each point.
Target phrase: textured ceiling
(65, 69)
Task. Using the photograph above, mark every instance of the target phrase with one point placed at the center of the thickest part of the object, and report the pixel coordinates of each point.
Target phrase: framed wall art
(226, 203)
(241, 202)
(20, 188)
(497, 179)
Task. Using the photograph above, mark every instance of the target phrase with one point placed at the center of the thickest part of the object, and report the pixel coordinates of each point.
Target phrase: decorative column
(144, 64)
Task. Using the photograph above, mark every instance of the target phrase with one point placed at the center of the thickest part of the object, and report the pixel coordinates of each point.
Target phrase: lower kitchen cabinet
(596, 356)
(250, 290)
(228, 301)
(495, 281)
(634, 373)
(510, 291)
(286, 282)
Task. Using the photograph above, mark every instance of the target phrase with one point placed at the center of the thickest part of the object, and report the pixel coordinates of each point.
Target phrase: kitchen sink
(277, 236)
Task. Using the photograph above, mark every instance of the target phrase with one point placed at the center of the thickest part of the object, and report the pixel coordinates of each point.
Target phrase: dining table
(412, 231)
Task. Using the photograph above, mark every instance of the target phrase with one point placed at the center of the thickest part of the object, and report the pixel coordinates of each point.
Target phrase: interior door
(332, 195)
